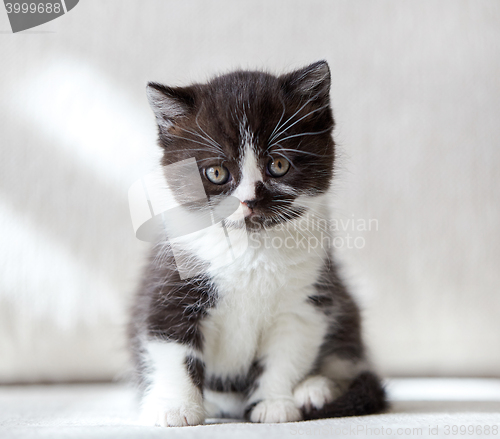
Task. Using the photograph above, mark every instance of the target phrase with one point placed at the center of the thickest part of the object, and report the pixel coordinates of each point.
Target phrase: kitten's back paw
(172, 416)
(315, 391)
(276, 410)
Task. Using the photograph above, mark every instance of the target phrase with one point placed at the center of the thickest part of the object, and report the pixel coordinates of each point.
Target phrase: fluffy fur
(273, 336)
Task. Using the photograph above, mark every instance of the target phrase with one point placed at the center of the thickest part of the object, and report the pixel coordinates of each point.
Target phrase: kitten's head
(263, 139)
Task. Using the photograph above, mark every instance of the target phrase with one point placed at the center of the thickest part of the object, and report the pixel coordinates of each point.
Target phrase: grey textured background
(416, 96)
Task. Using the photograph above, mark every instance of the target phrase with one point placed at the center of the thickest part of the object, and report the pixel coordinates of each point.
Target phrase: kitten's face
(263, 139)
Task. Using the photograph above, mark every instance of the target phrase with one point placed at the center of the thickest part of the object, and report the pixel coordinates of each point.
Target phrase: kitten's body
(274, 336)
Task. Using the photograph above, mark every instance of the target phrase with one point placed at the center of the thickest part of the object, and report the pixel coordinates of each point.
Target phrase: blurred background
(416, 95)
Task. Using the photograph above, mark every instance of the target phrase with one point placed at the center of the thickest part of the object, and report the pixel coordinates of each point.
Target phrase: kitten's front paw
(315, 391)
(276, 410)
(165, 414)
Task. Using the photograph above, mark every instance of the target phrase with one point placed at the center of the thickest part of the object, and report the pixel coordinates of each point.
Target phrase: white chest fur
(265, 282)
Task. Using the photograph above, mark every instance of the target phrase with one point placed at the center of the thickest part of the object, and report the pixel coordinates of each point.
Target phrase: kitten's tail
(365, 396)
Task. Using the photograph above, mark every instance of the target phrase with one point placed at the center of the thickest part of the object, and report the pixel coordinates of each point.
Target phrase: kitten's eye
(217, 174)
(278, 167)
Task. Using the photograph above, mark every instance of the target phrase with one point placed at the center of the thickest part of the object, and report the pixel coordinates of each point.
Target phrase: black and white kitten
(273, 336)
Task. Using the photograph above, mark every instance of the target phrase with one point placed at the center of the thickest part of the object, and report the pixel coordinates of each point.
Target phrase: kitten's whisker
(210, 142)
(188, 150)
(210, 158)
(203, 131)
(297, 121)
(293, 115)
(317, 220)
(297, 151)
(208, 145)
(304, 134)
(277, 127)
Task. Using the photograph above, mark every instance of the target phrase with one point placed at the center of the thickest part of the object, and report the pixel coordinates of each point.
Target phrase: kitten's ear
(169, 104)
(312, 81)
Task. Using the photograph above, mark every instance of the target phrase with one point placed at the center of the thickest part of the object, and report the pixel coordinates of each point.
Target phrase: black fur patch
(196, 371)
(175, 307)
(343, 338)
(242, 384)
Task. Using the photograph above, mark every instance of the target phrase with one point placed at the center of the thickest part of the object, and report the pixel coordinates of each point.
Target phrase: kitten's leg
(174, 395)
(289, 350)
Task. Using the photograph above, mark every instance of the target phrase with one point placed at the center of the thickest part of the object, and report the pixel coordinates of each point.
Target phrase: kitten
(273, 336)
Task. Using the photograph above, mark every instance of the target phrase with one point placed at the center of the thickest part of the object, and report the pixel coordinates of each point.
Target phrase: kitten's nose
(250, 203)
